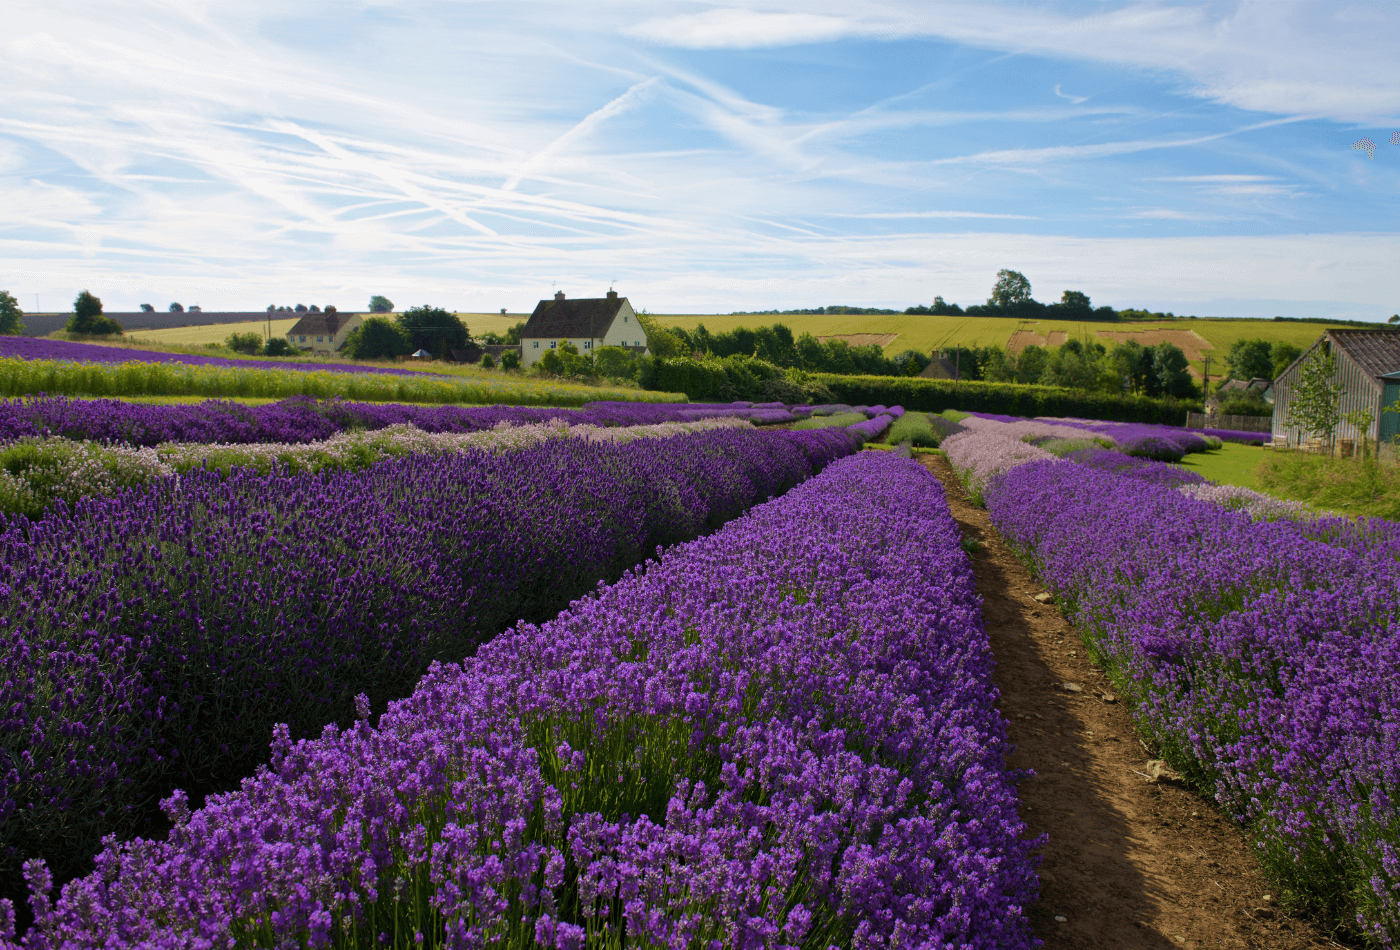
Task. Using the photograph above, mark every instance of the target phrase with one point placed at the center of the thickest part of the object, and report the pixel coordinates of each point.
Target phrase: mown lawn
(1231, 464)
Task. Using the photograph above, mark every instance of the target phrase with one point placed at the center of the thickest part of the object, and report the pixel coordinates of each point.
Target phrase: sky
(1199, 158)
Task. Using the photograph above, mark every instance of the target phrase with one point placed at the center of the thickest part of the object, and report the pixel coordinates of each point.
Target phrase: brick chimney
(559, 295)
(612, 294)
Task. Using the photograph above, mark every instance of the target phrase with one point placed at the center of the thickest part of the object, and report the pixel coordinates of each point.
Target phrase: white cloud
(744, 29)
(1215, 179)
(1064, 95)
(937, 214)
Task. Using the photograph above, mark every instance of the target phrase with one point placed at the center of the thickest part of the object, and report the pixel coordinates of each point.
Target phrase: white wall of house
(624, 331)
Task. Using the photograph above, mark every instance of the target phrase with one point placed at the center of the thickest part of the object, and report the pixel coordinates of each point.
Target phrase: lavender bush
(1143, 469)
(1259, 655)
(153, 638)
(302, 419)
(34, 348)
(767, 738)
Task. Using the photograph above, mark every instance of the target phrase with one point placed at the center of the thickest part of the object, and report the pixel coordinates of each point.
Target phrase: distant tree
(88, 318)
(433, 329)
(249, 343)
(1394, 318)
(195, 308)
(376, 339)
(330, 308)
(1133, 362)
(911, 362)
(314, 309)
(1315, 406)
(271, 308)
(147, 308)
(1011, 288)
(999, 366)
(1074, 300)
(300, 308)
(1250, 358)
(1284, 354)
(1171, 369)
(11, 322)
(512, 337)
(177, 308)
(378, 304)
(278, 346)
(662, 341)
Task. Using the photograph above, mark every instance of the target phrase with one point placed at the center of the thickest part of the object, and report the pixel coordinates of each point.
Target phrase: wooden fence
(1199, 420)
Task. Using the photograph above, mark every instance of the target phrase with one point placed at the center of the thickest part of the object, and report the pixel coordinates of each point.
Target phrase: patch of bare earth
(1129, 863)
(1191, 343)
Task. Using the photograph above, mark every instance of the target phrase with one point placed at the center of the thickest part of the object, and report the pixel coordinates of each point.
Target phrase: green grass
(1348, 486)
(927, 333)
(841, 419)
(1231, 464)
(20, 377)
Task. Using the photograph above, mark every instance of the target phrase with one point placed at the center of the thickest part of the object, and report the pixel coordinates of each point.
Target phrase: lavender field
(1256, 640)
(767, 737)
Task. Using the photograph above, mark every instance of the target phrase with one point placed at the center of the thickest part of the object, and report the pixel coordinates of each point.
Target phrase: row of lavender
(766, 738)
(153, 638)
(1257, 646)
(302, 419)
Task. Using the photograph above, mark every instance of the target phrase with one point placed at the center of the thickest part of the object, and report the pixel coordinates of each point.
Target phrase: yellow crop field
(478, 323)
(1198, 338)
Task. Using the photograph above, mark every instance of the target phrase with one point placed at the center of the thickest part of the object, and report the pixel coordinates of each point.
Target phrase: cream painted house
(587, 323)
(323, 333)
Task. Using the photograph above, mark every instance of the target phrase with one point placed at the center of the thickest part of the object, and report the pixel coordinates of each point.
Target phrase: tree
(378, 304)
(1030, 364)
(330, 308)
(377, 338)
(249, 343)
(177, 308)
(433, 329)
(911, 362)
(147, 308)
(1133, 362)
(1315, 406)
(1172, 372)
(278, 346)
(1248, 359)
(660, 340)
(300, 308)
(314, 309)
(1394, 318)
(1074, 300)
(1011, 288)
(510, 359)
(88, 318)
(942, 308)
(11, 323)
(1284, 354)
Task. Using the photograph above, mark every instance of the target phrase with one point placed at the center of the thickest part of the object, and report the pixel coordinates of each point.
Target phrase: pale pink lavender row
(304, 419)
(153, 638)
(1261, 656)
(783, 735)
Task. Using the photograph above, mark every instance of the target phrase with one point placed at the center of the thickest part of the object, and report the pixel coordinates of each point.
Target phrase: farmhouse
(323, 333)
(587, 323)
(1368, 362)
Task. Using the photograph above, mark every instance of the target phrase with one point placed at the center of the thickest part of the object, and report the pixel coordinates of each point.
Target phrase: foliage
(177, 308)
(663, 342)
(510, 338)
(1315, 403)
(487, 362)
(1354, 486)
(916, 429)
(30, 366)
(566, 362)
(11, 316)
(1284, 353)
(378, 338)
(249, 343)
(935, 395)
(433, 329)
(87, 317)
(1237, 403)
(1011, 288)
(838, 420)
(1249, 359)
(510, 359)
(279, 346)
(380, 304)
(1171, 376)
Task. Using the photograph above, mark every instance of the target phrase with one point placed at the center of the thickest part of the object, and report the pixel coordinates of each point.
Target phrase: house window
(587, 344)
(551, 344)
(320, 339)
(537, 344)
(302, 340)
(624, 319)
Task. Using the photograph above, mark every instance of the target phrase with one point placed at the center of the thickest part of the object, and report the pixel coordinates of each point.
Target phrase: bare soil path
(1129, 864)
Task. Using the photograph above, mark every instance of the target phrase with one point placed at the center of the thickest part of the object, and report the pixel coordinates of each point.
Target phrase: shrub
(917, 429)
(249, 343)
(510, 359)
(376, 339)
(279, 346)
(487, 362)
(88, 318)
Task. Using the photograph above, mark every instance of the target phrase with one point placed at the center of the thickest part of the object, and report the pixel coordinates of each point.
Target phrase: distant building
(1263, 388)
(940, 367)
(587, 323)
(474, 353)
(323, 334)
(1367, 360)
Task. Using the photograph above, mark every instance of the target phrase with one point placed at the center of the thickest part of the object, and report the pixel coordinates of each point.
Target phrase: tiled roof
(586, 317)
(1377, 352)
(940, 367)
(320, 324)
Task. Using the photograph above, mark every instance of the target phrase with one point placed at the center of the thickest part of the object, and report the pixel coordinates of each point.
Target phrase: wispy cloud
(897, 215)
(744, 29)
(1064, 95)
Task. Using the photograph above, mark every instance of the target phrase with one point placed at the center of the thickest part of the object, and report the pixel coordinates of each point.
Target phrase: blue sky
(701, 158)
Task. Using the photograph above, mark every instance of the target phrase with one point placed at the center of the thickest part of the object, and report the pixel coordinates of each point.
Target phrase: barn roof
(1377, 352)
(585, 317)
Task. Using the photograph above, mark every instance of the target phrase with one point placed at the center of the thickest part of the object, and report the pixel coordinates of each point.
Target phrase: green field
(1231, 464)
(927, 333)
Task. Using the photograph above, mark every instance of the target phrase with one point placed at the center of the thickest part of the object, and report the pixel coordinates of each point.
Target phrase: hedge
(1012, 399)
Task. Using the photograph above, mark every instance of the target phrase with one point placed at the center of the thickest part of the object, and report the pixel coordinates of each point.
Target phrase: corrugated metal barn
(1364, 358)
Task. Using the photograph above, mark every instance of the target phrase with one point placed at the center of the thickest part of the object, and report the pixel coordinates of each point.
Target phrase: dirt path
(1129, 864)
